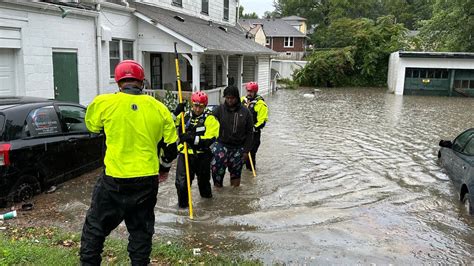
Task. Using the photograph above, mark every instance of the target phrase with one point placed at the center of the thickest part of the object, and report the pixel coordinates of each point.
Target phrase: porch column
(214, 71)
(240, 74)
(196, 72)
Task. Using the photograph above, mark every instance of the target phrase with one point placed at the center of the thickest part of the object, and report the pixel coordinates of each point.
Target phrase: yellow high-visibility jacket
(205, 127)
(258, 108)
(133, 126)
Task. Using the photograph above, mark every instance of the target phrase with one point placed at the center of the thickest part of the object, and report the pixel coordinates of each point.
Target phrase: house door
(7, 72)
(66, 85)
(156, 72)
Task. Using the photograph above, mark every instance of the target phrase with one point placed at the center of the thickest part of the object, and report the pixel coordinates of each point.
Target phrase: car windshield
(461, 140)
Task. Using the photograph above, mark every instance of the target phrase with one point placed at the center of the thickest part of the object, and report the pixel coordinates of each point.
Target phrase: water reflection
(349, 176)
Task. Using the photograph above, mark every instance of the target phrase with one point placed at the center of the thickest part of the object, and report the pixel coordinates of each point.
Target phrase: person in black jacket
(235, 138)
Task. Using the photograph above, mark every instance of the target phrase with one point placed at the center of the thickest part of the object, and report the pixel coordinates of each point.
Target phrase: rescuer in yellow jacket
(202, 130)
(259, 110)
(133, 124)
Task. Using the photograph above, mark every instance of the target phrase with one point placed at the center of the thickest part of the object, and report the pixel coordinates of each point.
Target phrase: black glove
(187, 137)
(259, 127)
(179, 108)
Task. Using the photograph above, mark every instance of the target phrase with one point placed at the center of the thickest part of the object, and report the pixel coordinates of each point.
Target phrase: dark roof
(437, 55)
(274, 27)
(211, 36)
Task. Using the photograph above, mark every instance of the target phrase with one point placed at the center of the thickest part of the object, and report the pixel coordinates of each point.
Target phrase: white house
(68, 49)
(431, 73)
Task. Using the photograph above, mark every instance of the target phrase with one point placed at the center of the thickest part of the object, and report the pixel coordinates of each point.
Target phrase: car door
(85, 146)
(459, 160)
(44, 142)
(467, 164)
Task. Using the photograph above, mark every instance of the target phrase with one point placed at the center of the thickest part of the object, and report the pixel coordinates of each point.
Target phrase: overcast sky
(257, 6)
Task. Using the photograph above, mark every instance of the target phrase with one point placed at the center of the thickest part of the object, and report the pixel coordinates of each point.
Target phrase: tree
(367, 42)
(313, 10)
(252, 15)
(451, 28)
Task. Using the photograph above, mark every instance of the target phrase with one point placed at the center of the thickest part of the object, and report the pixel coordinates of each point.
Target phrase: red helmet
(199, 97)
(129, 69)
(252, 86)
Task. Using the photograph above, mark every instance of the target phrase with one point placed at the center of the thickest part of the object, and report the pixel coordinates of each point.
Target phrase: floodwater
(348, 176)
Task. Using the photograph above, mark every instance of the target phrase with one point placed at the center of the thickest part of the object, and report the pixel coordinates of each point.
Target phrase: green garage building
(431, 73)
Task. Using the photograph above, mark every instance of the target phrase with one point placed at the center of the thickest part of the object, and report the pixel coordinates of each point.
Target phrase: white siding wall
(263, 75)
(41, 32)
(193, 8)
(249, 69)
(397, 65)
(123, 26)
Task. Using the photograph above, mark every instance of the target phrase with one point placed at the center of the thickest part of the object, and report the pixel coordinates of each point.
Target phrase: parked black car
(43, 143)
(457, 157)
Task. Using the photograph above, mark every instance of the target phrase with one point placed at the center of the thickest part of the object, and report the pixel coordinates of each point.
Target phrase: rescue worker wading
(133, 124)
(259, 110)
(202, 130)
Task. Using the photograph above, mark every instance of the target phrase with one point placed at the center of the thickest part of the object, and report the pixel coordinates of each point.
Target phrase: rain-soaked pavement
(347, 176)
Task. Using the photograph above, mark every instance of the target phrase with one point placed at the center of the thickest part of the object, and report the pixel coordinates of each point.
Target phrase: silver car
(457, 157)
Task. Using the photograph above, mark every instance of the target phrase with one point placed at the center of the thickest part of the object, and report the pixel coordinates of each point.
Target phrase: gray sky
(257, 6)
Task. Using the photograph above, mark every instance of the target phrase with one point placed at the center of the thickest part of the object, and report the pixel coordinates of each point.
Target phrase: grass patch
(50, 246)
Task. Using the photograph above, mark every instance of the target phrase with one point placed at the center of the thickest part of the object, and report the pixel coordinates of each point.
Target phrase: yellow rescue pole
(251, 164)
(250, 155)
(183, 130)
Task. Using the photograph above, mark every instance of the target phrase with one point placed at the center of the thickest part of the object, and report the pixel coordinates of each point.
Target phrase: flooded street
(348, 176)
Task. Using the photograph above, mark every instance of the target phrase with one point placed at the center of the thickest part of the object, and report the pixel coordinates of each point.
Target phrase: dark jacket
(236, 126)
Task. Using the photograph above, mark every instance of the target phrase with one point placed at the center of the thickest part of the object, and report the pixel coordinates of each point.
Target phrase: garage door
(7, 72)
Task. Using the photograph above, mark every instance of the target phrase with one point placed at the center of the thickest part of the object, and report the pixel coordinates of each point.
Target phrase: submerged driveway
(347, 176)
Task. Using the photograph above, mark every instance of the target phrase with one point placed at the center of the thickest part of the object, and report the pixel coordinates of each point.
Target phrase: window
(430, 73)
(226, 9)
(267, 41)
(205, 7)
(457, 84)
(469, 149)
(462, 139)
(408, 73)
(177, 3)
(73, 118)
(42, 121)
(289, 42)
(119, 50)
(423, 73)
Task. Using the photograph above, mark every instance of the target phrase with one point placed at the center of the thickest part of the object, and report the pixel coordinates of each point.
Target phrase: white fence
(287, 67)
(214, 95)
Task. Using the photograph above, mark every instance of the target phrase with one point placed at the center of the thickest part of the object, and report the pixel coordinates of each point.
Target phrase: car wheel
(439, 154)
(25, 188)
(468, 204)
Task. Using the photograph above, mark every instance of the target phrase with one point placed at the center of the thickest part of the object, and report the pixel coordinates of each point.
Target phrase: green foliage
(451, 28)
(287, 83)
(324, 12)
(362, 58)
(170, 100)
(252, 15)
(327, 68)
(49, 246)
